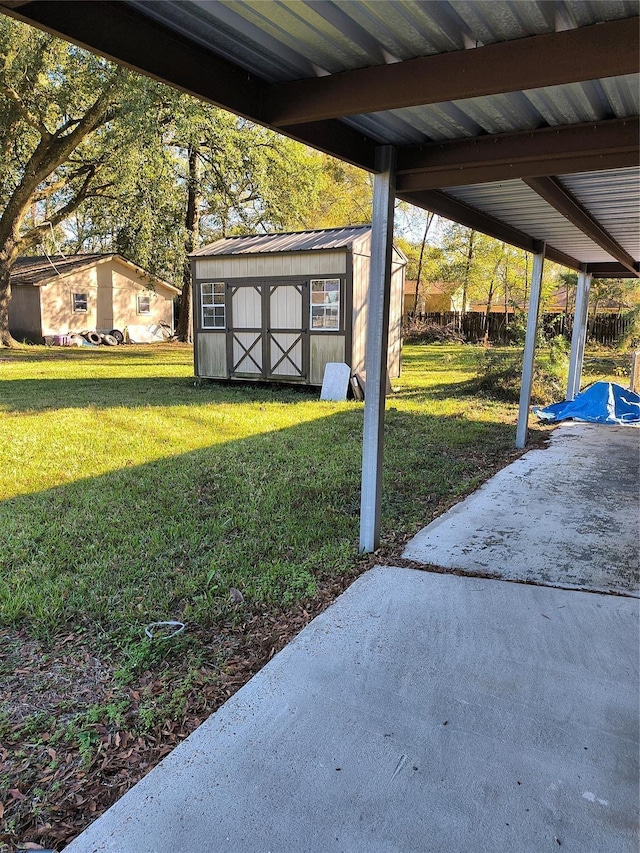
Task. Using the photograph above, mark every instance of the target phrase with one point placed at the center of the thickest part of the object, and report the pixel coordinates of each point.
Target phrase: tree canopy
(94, 158)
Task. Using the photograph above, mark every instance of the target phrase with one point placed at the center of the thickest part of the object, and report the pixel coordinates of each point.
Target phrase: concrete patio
(567, 515)
(433, 712)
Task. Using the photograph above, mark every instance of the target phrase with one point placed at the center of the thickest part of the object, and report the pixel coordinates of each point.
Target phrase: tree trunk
(7, 259)
(424, 241)
(487, 314)
(5, 297)
(465, 281)
(183, 332)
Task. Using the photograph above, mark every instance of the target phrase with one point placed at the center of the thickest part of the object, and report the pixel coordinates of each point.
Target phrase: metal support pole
(634, 378)
(578, 335)
(379, 297)
(530, 348)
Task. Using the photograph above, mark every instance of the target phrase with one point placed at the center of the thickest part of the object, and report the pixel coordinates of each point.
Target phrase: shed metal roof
(293, 241)
(535, 102)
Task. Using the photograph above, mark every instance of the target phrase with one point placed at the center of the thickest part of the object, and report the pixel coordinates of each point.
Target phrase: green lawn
(130, 494)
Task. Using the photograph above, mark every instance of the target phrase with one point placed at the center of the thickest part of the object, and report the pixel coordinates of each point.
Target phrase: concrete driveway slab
(421, 712)
(567, 515)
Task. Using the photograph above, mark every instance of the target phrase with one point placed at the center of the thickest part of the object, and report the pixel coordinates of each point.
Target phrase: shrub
(499, 373)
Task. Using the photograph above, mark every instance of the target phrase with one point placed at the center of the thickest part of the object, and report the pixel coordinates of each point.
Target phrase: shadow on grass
(37, 395)
(272, 515)
(439, 390)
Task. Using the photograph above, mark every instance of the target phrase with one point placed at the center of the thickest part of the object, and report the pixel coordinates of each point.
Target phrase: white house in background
(56, 295)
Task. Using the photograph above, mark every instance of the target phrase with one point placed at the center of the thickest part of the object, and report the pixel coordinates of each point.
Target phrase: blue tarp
(600, 403)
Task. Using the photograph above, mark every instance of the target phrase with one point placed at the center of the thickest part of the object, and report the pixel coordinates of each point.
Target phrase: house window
(143, 304)
(80, 303)
(213, 310)
(325, 304)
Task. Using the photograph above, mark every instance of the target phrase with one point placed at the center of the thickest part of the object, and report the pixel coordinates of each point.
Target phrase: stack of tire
(112, 339)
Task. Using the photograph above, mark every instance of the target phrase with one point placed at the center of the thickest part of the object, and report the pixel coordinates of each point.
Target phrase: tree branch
(51, 152)
(35, 235)
(26, 114)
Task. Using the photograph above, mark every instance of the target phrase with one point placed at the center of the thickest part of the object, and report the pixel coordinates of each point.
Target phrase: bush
(499, 373)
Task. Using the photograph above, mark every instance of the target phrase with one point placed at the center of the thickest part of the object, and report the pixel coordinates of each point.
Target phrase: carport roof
(517, 119)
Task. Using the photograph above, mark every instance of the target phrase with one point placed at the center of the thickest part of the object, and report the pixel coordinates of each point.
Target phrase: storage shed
(56, 295)
(280, 306)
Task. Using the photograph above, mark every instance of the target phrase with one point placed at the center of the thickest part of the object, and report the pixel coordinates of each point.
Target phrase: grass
(130, 494)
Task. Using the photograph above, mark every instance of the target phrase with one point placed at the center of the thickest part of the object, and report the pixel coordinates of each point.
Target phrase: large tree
(95, 158)
(199, 173)
(62, 110)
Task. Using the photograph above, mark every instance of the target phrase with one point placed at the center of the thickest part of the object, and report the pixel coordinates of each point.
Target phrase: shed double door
(267, 330)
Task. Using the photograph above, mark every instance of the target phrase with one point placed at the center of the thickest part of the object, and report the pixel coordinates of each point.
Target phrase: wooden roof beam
(559, 197)
(587, 53)
(612, 144)
(612, 269)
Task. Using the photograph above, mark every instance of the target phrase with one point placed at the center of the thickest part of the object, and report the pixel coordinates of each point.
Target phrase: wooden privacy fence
(606, 329)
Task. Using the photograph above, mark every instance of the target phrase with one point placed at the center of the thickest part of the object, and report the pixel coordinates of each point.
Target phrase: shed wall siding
(395, 321)
(324, 348)
(24, 314)
(269, 266)
(361, 269)
(212, 355)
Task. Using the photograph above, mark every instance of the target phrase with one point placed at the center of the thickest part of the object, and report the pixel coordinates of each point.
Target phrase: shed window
(213, 310)
(144, 304)
(80, 303)
(325, 304)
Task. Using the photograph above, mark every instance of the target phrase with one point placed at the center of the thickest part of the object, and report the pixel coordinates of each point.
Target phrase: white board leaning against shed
(279, 307)
(335, 385)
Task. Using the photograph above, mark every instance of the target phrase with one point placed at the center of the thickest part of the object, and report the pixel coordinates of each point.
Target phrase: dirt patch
(62, 763)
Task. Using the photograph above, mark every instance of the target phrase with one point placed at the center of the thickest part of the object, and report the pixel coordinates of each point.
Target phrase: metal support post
(578, 335)
(378, 301)
(529, 348)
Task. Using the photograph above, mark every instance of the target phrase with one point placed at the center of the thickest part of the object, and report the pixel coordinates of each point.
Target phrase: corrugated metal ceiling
(555, 105)
(613, 198)
(293, 39)
(519, 206)
(279, 41)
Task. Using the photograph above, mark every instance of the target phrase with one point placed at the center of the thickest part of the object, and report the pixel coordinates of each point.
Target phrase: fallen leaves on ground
(50, 793)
